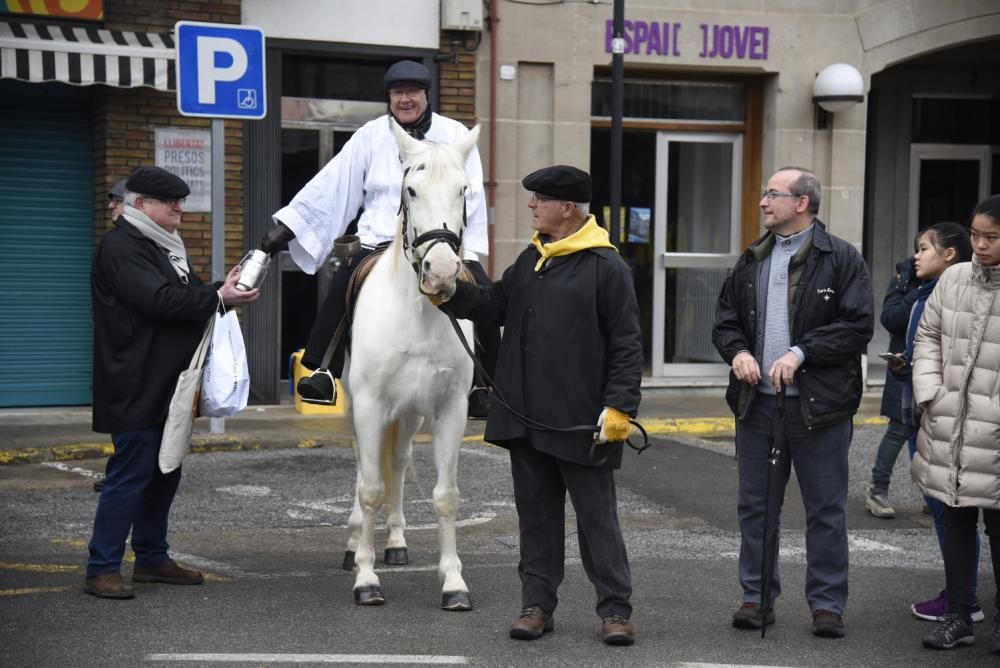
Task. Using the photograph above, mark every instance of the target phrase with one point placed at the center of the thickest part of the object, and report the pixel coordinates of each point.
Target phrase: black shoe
(828, 624)
(99, 484)
(749, 617)
(952, 632)
(318, 388)
(995, 638)
(479, 403)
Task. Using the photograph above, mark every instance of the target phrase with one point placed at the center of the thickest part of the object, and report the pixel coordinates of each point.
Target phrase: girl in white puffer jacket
(956, 380)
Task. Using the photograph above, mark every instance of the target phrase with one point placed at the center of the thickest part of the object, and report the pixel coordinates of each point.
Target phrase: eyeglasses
(171, 202)
(405, 92)
(769, 195)
(115, 201)
(535, 198)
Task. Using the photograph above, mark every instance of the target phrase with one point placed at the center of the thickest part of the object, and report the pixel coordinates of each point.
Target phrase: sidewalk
(58, 434)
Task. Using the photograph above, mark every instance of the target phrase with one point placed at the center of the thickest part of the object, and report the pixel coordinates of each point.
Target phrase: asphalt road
(267, 529)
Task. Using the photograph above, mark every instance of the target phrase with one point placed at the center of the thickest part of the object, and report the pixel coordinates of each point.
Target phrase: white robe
(367, 172)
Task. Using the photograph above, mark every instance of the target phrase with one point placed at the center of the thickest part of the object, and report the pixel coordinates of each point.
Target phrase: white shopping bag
(225, 387)
(176, 439)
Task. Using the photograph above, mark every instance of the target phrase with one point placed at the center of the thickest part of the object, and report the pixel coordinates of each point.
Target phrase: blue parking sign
(220, 70)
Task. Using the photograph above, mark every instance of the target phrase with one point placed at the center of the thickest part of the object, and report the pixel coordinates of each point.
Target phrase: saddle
(358, 277)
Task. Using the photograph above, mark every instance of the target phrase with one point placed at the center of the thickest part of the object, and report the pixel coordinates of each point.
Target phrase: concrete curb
(711, 426)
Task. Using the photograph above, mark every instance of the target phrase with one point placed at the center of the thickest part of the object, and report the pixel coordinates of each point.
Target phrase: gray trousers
(819, 457)
(540, 485)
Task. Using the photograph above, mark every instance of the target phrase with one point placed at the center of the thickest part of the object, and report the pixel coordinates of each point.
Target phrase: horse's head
(432, 207)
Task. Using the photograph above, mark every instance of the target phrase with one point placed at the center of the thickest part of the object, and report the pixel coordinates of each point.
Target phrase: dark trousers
(136, 496)
(335, 306)
(819, 457)
(540, 485)
(888, 450)
(961, 557)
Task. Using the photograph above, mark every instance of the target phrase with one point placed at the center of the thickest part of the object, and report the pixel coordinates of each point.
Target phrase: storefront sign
(717, 41)
(188, 154)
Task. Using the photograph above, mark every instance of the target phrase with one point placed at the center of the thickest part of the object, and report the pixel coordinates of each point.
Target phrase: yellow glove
(614, 425)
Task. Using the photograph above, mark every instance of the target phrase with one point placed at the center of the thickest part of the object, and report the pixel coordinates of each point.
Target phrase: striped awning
(85, 56)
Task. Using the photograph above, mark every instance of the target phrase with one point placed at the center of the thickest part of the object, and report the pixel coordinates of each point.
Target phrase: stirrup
(320, 401)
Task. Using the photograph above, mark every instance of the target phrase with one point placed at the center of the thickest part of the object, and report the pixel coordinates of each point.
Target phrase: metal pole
(617, 105)
(218, 425)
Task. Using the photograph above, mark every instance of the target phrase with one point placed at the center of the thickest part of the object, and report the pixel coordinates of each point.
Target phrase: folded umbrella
(779, 466)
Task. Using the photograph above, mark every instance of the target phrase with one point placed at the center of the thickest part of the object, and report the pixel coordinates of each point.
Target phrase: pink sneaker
(935, 609)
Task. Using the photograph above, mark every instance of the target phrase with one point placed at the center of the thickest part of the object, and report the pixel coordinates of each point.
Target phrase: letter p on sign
(220, 70)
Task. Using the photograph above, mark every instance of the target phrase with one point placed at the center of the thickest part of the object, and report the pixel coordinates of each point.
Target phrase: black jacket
(571, 345)
(896, 307)
(832, 319)
(147, 324)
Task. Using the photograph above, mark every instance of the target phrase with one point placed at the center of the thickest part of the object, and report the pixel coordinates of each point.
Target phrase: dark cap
(407, 71)
(156, 182)
(560, 181)
(118, 191)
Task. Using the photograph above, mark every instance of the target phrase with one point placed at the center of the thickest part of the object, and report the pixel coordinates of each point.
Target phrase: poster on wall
(188, 154)
(76, 9)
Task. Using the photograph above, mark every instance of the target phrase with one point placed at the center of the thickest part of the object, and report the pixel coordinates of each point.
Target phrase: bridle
(432, 237)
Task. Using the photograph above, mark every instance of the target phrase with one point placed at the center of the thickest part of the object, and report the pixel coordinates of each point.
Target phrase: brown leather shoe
(531, 624)
(617, 630)
(108, 585)
(168, 573)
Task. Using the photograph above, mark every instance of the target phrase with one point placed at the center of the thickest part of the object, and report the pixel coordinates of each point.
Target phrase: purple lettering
(609, 35)
(653, 44)
(677, 29)
(641, 34)
(724, 41)
(627, 34)
(756, 42)
(742, 36)
(767, 32)
(704, 41)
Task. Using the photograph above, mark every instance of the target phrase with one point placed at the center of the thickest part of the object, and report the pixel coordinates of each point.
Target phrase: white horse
(407, 365)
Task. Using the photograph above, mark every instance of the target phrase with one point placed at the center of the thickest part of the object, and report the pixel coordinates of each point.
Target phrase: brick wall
(457, 92)
(125, 120)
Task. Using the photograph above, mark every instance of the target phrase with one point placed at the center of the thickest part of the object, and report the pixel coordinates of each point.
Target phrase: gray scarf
(169, 242)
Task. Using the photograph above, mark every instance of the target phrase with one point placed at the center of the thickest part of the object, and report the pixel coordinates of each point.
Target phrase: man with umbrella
(793, 319)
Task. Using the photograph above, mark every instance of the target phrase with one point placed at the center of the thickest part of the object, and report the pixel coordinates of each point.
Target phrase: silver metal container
(253, 269)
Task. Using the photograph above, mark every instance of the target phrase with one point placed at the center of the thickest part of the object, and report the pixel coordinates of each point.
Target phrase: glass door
(696, 237)
(946, 183)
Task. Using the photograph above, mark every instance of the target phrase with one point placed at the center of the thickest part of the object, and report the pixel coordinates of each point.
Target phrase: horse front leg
(447, 442)
(370, 496)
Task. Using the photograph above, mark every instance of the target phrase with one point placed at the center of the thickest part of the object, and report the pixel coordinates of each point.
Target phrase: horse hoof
(456, 601)
(348, 564)
(395, 556)
(370, 595)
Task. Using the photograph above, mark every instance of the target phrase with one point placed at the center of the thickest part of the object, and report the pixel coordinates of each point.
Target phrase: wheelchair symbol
(246, 98)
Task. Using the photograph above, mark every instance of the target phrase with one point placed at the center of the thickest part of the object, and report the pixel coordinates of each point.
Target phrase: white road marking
(717, 665)
(245, 490)
(868, 545)
(87, 473)
(312, 658)
(326, 506)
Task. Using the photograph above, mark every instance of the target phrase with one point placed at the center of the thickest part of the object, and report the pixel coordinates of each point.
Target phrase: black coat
(571, 346)
(896, 307)
(832, 319)
(147, 324)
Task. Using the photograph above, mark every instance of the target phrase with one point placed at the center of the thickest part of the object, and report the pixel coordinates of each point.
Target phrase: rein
(531, 423)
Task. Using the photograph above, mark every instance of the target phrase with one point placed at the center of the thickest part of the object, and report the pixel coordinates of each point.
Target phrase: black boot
(479, 403)
(318, 388)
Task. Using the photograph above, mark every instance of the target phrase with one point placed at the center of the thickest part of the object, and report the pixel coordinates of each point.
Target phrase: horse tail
(388, 456)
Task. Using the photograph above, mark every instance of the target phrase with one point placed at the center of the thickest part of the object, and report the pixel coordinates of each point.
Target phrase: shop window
(718, 102)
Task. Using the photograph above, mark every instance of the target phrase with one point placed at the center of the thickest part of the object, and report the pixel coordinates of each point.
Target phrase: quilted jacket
(956, 379)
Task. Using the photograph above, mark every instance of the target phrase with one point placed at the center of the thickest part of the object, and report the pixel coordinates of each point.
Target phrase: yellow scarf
(590, 235)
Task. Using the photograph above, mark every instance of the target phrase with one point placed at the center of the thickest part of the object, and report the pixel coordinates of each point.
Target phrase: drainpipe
(491, 184)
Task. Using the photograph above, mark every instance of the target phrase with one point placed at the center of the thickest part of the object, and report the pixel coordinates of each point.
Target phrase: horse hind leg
(353, 526)
(396, 459)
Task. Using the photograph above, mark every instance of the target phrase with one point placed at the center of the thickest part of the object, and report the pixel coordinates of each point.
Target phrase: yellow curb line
(39, 568)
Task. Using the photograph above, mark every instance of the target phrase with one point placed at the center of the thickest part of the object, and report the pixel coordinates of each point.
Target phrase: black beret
(156, 182)
(117, 191)
(561, 182)
(407, 71)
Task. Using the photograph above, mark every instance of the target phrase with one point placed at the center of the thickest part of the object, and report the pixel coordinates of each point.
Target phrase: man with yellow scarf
(571, 354)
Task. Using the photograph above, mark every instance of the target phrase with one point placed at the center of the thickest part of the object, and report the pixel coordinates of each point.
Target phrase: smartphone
(889, 357)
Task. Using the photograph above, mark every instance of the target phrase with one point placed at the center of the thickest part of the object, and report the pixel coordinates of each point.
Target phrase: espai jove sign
(726, 41)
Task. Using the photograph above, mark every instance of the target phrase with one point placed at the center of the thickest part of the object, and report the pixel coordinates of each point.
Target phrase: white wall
(413, 23)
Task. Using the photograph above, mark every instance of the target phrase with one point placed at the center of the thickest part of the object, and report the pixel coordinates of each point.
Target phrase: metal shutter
(46, 244)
